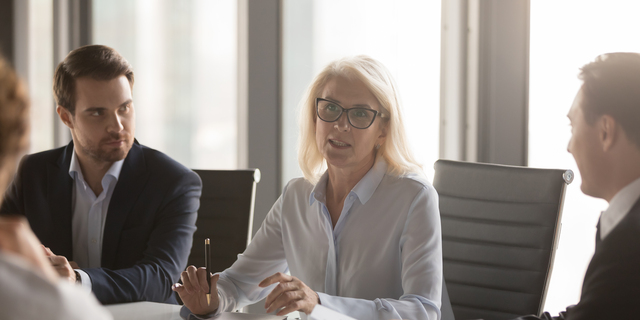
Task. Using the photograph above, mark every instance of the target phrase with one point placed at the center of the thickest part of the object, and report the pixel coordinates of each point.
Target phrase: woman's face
(342, 145)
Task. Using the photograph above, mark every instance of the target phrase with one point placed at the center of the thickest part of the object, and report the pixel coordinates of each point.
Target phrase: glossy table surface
(161, 311)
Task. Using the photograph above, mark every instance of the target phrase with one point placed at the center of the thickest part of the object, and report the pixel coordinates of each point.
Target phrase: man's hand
(61, 265)
(194, 288)
(290, 294)
(17, 238)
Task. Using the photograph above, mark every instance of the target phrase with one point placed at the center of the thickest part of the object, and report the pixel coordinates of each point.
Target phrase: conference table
(162, 311)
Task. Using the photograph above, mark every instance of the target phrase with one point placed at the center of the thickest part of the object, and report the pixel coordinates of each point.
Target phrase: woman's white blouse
(383, 260)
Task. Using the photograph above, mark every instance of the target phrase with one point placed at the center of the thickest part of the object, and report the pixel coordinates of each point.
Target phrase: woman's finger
(178, 287)
(192, 271)
(278, 277)
(201, 274)
(187, 282)
(285, 299)
(277, 291)
(291, 307)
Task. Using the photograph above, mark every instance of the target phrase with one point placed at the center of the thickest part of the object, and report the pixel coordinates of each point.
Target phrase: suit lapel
(60, 184)
(131, 181)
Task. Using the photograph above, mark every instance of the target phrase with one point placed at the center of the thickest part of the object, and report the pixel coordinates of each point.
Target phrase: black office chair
(500, 227)
(225, 215)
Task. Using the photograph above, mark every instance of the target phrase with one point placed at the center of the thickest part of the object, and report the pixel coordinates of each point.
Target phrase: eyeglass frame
(343, 110)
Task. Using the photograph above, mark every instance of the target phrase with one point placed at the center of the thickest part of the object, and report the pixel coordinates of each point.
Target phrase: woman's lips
(339, 144)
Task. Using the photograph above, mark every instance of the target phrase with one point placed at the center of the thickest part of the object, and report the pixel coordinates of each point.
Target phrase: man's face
(585, 146)
(103, 126)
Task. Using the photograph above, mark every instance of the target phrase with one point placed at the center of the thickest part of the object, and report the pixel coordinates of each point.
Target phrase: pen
(207, 264)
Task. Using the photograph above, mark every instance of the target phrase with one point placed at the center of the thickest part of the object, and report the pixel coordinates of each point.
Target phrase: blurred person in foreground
(30, 288)
(360, 233)
(605, 143)
(117, 217)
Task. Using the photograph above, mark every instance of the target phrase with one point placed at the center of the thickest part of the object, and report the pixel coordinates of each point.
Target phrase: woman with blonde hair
(360, 233)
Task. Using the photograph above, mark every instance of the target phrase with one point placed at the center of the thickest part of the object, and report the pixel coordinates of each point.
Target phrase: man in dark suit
(116, 216)
(605, 142)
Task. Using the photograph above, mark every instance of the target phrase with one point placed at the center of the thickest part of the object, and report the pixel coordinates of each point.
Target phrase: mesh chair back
(225, 215)
(500, 226)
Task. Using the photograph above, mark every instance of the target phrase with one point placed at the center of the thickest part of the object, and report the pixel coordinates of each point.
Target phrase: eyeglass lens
(358, 117)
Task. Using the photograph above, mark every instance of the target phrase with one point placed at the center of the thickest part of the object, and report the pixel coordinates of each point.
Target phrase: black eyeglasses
(359, 118)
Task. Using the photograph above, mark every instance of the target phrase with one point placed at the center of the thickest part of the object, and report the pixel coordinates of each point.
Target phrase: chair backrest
(225, 215)
(446, 311)
(500, 226)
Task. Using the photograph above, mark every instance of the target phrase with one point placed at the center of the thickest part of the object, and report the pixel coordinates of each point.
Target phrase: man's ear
(65, 116)
(608, 131)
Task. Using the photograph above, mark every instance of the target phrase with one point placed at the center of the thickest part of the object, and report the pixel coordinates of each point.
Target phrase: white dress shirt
(89, 216)
(383, 260)
(25, 295)
(618, 208)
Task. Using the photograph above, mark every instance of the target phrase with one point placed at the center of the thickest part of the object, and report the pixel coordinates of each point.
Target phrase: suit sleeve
(166, 253)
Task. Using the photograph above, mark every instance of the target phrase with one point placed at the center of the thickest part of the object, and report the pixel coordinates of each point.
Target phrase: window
(39, 73)
(184, 55)
(403, 35)
(565, 35)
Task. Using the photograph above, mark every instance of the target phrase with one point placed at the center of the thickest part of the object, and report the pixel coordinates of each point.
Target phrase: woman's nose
(342, 124)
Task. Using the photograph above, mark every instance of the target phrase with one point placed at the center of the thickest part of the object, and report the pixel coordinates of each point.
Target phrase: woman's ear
(384, 129)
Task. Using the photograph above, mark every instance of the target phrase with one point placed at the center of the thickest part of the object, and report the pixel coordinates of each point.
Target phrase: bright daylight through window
(184, 54)
(564, 37)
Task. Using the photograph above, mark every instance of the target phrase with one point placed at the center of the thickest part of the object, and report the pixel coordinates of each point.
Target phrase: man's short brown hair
(97, 62)
(612, 87)
(14, 110)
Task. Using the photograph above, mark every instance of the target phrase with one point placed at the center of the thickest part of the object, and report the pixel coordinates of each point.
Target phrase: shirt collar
(76, 171)
(364, 189)
(619, 206)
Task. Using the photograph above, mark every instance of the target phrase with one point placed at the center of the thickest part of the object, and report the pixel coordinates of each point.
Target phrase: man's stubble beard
(101, 155)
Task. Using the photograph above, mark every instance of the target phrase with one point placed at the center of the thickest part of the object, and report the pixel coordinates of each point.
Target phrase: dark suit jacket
(611, 286)
(149, 226)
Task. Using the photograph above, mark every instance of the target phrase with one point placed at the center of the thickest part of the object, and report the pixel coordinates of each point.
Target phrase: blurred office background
(218, 82)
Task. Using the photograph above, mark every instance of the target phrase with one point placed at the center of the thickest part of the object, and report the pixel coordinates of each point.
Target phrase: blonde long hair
(379, 81)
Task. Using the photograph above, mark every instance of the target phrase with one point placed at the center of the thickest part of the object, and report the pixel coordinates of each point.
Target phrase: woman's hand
(194, 288)
(290, 294)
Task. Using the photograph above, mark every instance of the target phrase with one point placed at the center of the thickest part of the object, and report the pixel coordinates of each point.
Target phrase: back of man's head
(14, 107)
(93, 61)
(612, 87)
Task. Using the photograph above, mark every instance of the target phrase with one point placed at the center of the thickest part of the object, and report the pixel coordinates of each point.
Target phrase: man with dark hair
(116, 216)
(605, 142)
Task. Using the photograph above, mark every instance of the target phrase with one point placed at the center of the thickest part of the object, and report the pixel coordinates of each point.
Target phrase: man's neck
(624, 171)
(93, 171)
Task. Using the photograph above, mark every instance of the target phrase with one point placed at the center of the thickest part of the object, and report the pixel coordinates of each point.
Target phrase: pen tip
(208, 299)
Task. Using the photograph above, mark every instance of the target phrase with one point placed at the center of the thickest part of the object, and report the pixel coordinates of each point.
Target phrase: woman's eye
(332, 107)
(360, 114)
